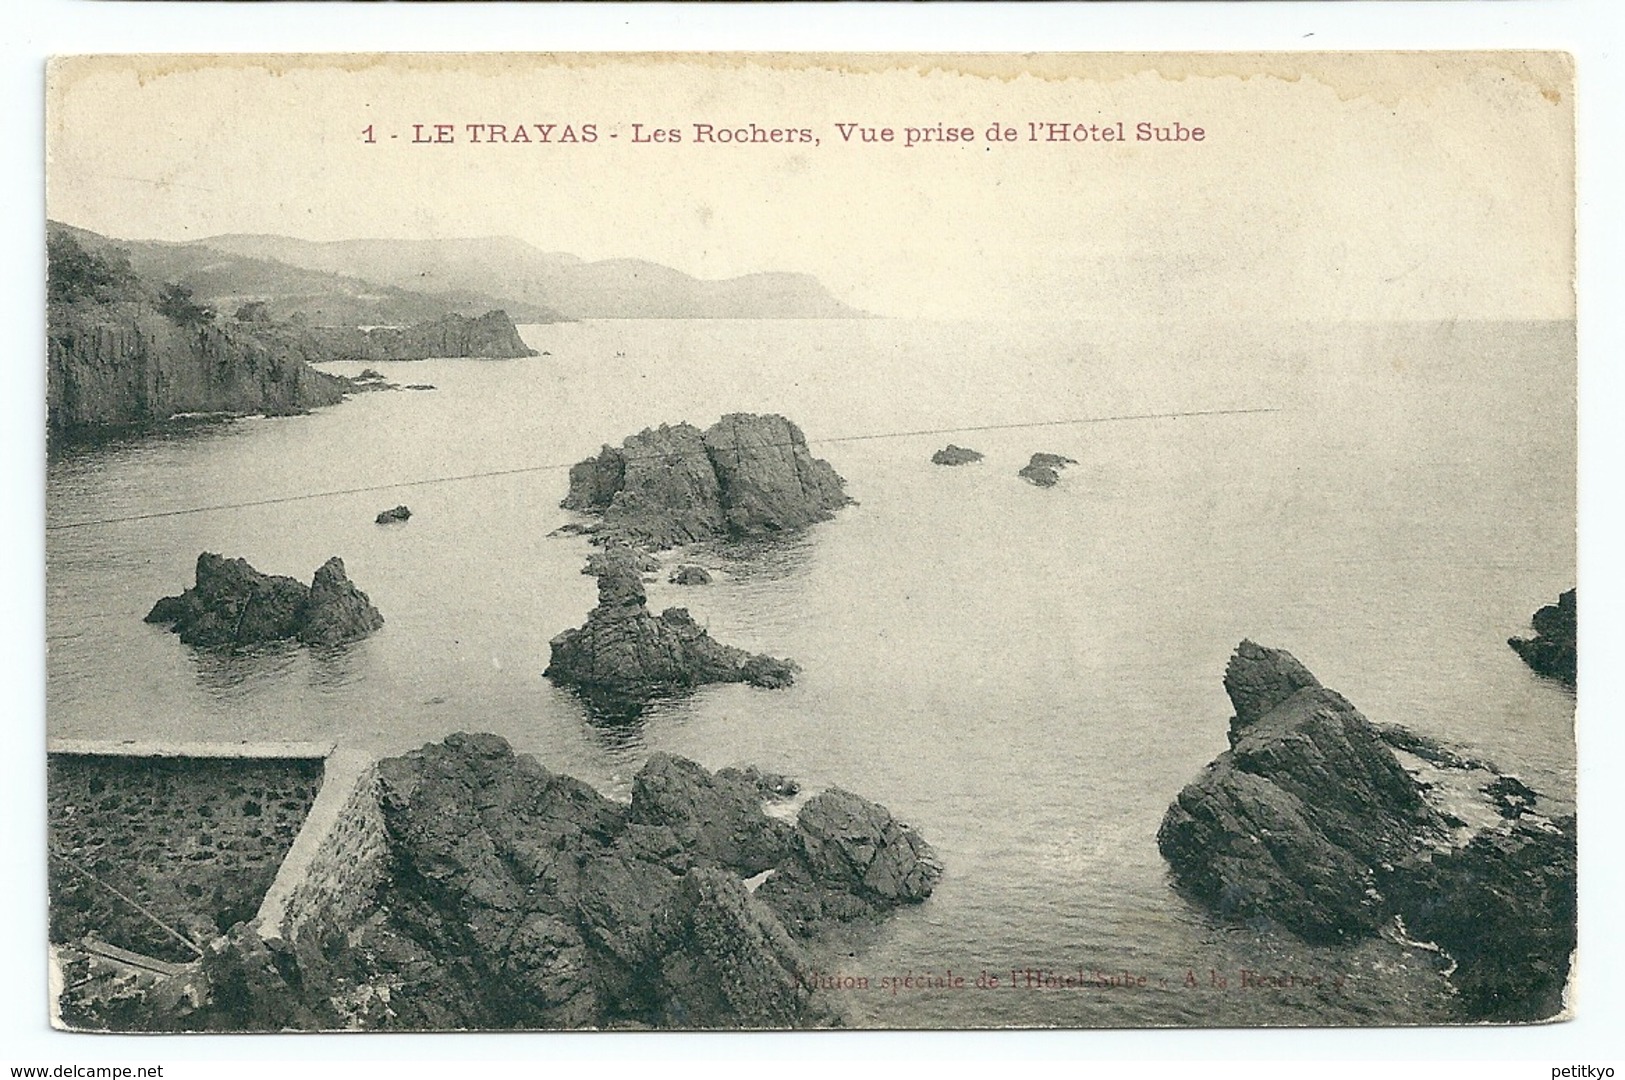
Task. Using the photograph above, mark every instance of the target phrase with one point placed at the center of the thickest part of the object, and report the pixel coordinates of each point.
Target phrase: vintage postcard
(773, 541)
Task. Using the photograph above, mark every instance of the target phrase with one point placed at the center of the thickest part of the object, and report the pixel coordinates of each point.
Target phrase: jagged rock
(726, 961)
(625, 650)
(399, 513)
(1044, 469)
(955, 455)
(1309, 822)
(518, 898)
(233, 604)
(747, 475)
(689, 574)
(850, 860)
(1258, 679)
(1551, 652)
(337, 611)
(719, 815)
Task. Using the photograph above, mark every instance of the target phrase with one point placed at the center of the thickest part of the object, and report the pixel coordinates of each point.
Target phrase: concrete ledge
(169, 748)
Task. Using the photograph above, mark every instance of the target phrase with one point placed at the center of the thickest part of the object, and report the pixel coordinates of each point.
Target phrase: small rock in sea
(400, 513)
(955, 455)
(1043, 469)
(689, 574)
(419, 386)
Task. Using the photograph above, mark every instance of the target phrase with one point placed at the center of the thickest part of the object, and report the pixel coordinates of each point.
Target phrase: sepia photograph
(763, 541)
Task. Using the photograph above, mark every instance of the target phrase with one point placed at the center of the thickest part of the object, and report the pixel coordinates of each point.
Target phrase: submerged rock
(625, 650)
(233, 604)
(399, 513)
(955, 455)
(689, 574)
(518, 898)
(747, 475)
(1311, 823)
(1044, 469)
(1551, 652)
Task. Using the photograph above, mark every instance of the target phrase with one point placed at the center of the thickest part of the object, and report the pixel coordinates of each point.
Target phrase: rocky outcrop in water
(624, 650)
(491, 336)
(518, 898)
(390, 517)
(232, 604)
(1043, 470)
(1318, 822)
(1551, 652)
(689, 574)
(955, 455)
(747, 475)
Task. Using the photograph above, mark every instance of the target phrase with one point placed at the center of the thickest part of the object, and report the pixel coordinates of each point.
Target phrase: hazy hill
(224, 280)
(520, 276)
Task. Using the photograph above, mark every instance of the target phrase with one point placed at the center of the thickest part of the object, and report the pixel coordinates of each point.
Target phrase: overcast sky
(1367, 187)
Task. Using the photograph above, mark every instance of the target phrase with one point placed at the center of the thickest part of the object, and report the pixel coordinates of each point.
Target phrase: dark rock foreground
(746, 475)
(233, 604)
(624, 650)
(1551, 652)
(955, 455)
(518, 898)
(1312, 823)
(389, 517)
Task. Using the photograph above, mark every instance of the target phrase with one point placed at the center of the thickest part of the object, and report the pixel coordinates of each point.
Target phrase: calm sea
(1027, 676)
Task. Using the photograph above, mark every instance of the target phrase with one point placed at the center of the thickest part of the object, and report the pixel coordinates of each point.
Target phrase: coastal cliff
(746, 475)
(127, 365)
(518, 898)
(491, 336)
(123, 352)
(1321, 823)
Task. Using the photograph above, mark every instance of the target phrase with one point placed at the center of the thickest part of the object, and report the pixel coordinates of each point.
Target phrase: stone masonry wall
(195, 840)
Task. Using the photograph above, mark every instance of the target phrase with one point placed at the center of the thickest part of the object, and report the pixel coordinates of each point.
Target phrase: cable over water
(428, 481)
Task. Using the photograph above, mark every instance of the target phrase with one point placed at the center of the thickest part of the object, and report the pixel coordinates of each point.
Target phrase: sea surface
(1027, 676)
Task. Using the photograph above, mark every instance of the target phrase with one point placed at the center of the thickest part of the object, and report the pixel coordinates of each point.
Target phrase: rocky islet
(626, 651)
(231, 605)
(747, 475)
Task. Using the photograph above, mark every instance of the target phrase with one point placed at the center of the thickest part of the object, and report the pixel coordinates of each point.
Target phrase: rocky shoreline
(521, 899)
(1320, 823)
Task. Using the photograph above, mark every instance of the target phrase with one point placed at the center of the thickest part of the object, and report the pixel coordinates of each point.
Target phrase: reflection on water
(234, 672)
